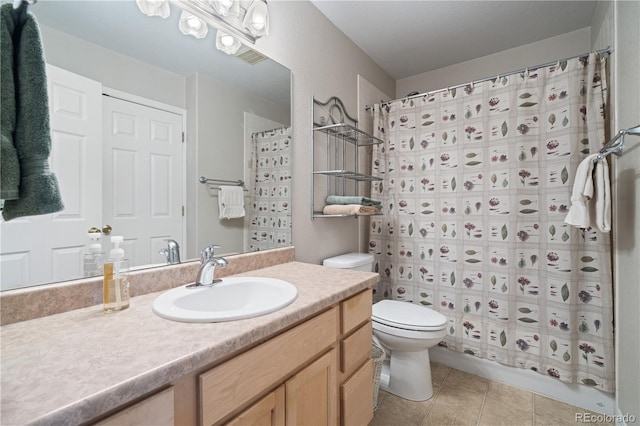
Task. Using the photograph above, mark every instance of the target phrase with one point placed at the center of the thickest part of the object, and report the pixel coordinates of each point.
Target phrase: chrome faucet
(208, 263)
(172, 252)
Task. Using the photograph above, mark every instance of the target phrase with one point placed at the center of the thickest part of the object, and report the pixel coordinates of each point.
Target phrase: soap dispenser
(116, 281)
(94, 257)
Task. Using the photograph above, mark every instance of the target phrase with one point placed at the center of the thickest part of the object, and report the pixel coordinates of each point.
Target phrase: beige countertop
(74, 366)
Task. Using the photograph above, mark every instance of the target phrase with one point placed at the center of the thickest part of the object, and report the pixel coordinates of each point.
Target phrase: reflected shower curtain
(476, 184)
(270, 208)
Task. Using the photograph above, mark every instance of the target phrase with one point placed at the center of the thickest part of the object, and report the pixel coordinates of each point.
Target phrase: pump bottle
(116, 281)
(94, 257)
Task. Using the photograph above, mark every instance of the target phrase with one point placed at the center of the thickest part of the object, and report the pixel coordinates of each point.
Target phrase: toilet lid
(407, 315)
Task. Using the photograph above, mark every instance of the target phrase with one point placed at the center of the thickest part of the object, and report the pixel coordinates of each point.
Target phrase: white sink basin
(232, 299)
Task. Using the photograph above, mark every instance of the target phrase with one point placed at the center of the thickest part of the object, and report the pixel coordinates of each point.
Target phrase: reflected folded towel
(348, 199)
(356, 209)
(231, 202)
(591, 196)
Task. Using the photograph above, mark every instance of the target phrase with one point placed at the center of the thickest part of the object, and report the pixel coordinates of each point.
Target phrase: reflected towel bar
(215, 183)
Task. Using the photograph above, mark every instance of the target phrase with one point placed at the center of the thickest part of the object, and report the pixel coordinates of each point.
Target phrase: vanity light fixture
(192, 25)
(226, 7)
(256, 20)
(227, 43)
(235, 22)
(154, 7)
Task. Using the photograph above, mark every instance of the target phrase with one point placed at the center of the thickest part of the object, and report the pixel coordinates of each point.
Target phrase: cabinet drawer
(356, 397)
(232, 384)
(356, 310)
(355, 349)
(155, 410)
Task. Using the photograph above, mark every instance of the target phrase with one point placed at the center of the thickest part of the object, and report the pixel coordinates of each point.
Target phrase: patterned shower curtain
(476, 184)
(270, 208)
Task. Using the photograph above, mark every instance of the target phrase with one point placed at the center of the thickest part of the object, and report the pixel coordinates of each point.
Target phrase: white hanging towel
(231, 202)
(591, 186)
(602, 196)
(582, 191)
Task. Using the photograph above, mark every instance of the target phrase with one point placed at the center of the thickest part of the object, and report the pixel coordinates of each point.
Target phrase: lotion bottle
(116, 281)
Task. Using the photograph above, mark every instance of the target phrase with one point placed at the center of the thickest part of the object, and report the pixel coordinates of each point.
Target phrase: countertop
(74, 366)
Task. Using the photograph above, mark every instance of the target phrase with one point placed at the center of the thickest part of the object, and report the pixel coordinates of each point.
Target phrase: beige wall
(216, 129)
(626, 202)
(615, 24)
(324, 63)
(547, 50)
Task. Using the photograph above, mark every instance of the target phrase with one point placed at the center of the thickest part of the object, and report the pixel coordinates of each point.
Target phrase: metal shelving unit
(341, 141)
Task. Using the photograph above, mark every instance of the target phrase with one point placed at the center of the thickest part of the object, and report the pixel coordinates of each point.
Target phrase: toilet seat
(407, 316)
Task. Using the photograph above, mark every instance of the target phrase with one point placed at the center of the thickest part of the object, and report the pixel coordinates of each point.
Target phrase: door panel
(46, 248)
(143, 172)
(310, 396)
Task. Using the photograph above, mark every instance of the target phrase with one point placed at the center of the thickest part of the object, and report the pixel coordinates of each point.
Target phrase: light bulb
(226, 3)
(258, 21)
(194, 23)
(227, 43)
(227, 40)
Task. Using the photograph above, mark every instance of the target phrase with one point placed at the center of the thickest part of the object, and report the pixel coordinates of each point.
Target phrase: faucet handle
(208, 252)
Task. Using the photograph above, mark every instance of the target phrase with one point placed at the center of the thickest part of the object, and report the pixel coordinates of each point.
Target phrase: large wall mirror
(123, 89)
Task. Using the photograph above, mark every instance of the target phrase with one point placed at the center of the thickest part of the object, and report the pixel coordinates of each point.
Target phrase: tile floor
(461, 398)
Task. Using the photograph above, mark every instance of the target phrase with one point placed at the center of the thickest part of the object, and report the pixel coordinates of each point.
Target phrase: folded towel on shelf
(39, 192)
(591, 196)
(356, 209)
(231, 202)
(348, 199)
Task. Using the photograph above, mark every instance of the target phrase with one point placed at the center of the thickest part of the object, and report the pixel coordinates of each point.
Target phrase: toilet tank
(356, 261)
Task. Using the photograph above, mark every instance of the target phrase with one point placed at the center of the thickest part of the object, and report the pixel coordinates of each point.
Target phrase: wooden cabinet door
(356, 397)
(268, 411)
(311, 395)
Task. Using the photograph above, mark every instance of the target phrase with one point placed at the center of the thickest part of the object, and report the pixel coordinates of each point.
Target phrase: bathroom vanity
(306, 363)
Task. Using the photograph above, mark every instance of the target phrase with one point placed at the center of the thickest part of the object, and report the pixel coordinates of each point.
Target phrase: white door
(47, 248)
(143, 178)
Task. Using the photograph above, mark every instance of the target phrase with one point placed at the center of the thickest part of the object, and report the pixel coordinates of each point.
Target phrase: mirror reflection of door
(142, 178)
(142, 164)
(46, 248)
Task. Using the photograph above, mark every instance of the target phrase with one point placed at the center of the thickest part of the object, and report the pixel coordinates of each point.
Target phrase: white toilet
(356, 261)
(406, 331)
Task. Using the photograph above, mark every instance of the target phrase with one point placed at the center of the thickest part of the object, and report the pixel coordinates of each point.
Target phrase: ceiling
(411, 37)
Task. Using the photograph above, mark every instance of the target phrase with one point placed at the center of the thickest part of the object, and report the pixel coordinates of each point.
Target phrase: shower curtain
(270, 207)
(476, 184)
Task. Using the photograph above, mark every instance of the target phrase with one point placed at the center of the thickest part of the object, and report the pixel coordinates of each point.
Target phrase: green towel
(39, 191)
(346, 199)
(9, 164)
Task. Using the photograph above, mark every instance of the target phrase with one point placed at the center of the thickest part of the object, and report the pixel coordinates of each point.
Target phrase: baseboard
(574, 394)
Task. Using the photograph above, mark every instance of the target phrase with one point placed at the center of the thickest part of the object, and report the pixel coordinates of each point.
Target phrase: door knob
(106, 230)
(94, 230)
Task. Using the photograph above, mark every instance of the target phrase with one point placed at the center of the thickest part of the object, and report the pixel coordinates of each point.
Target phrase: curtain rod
(418, 95)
